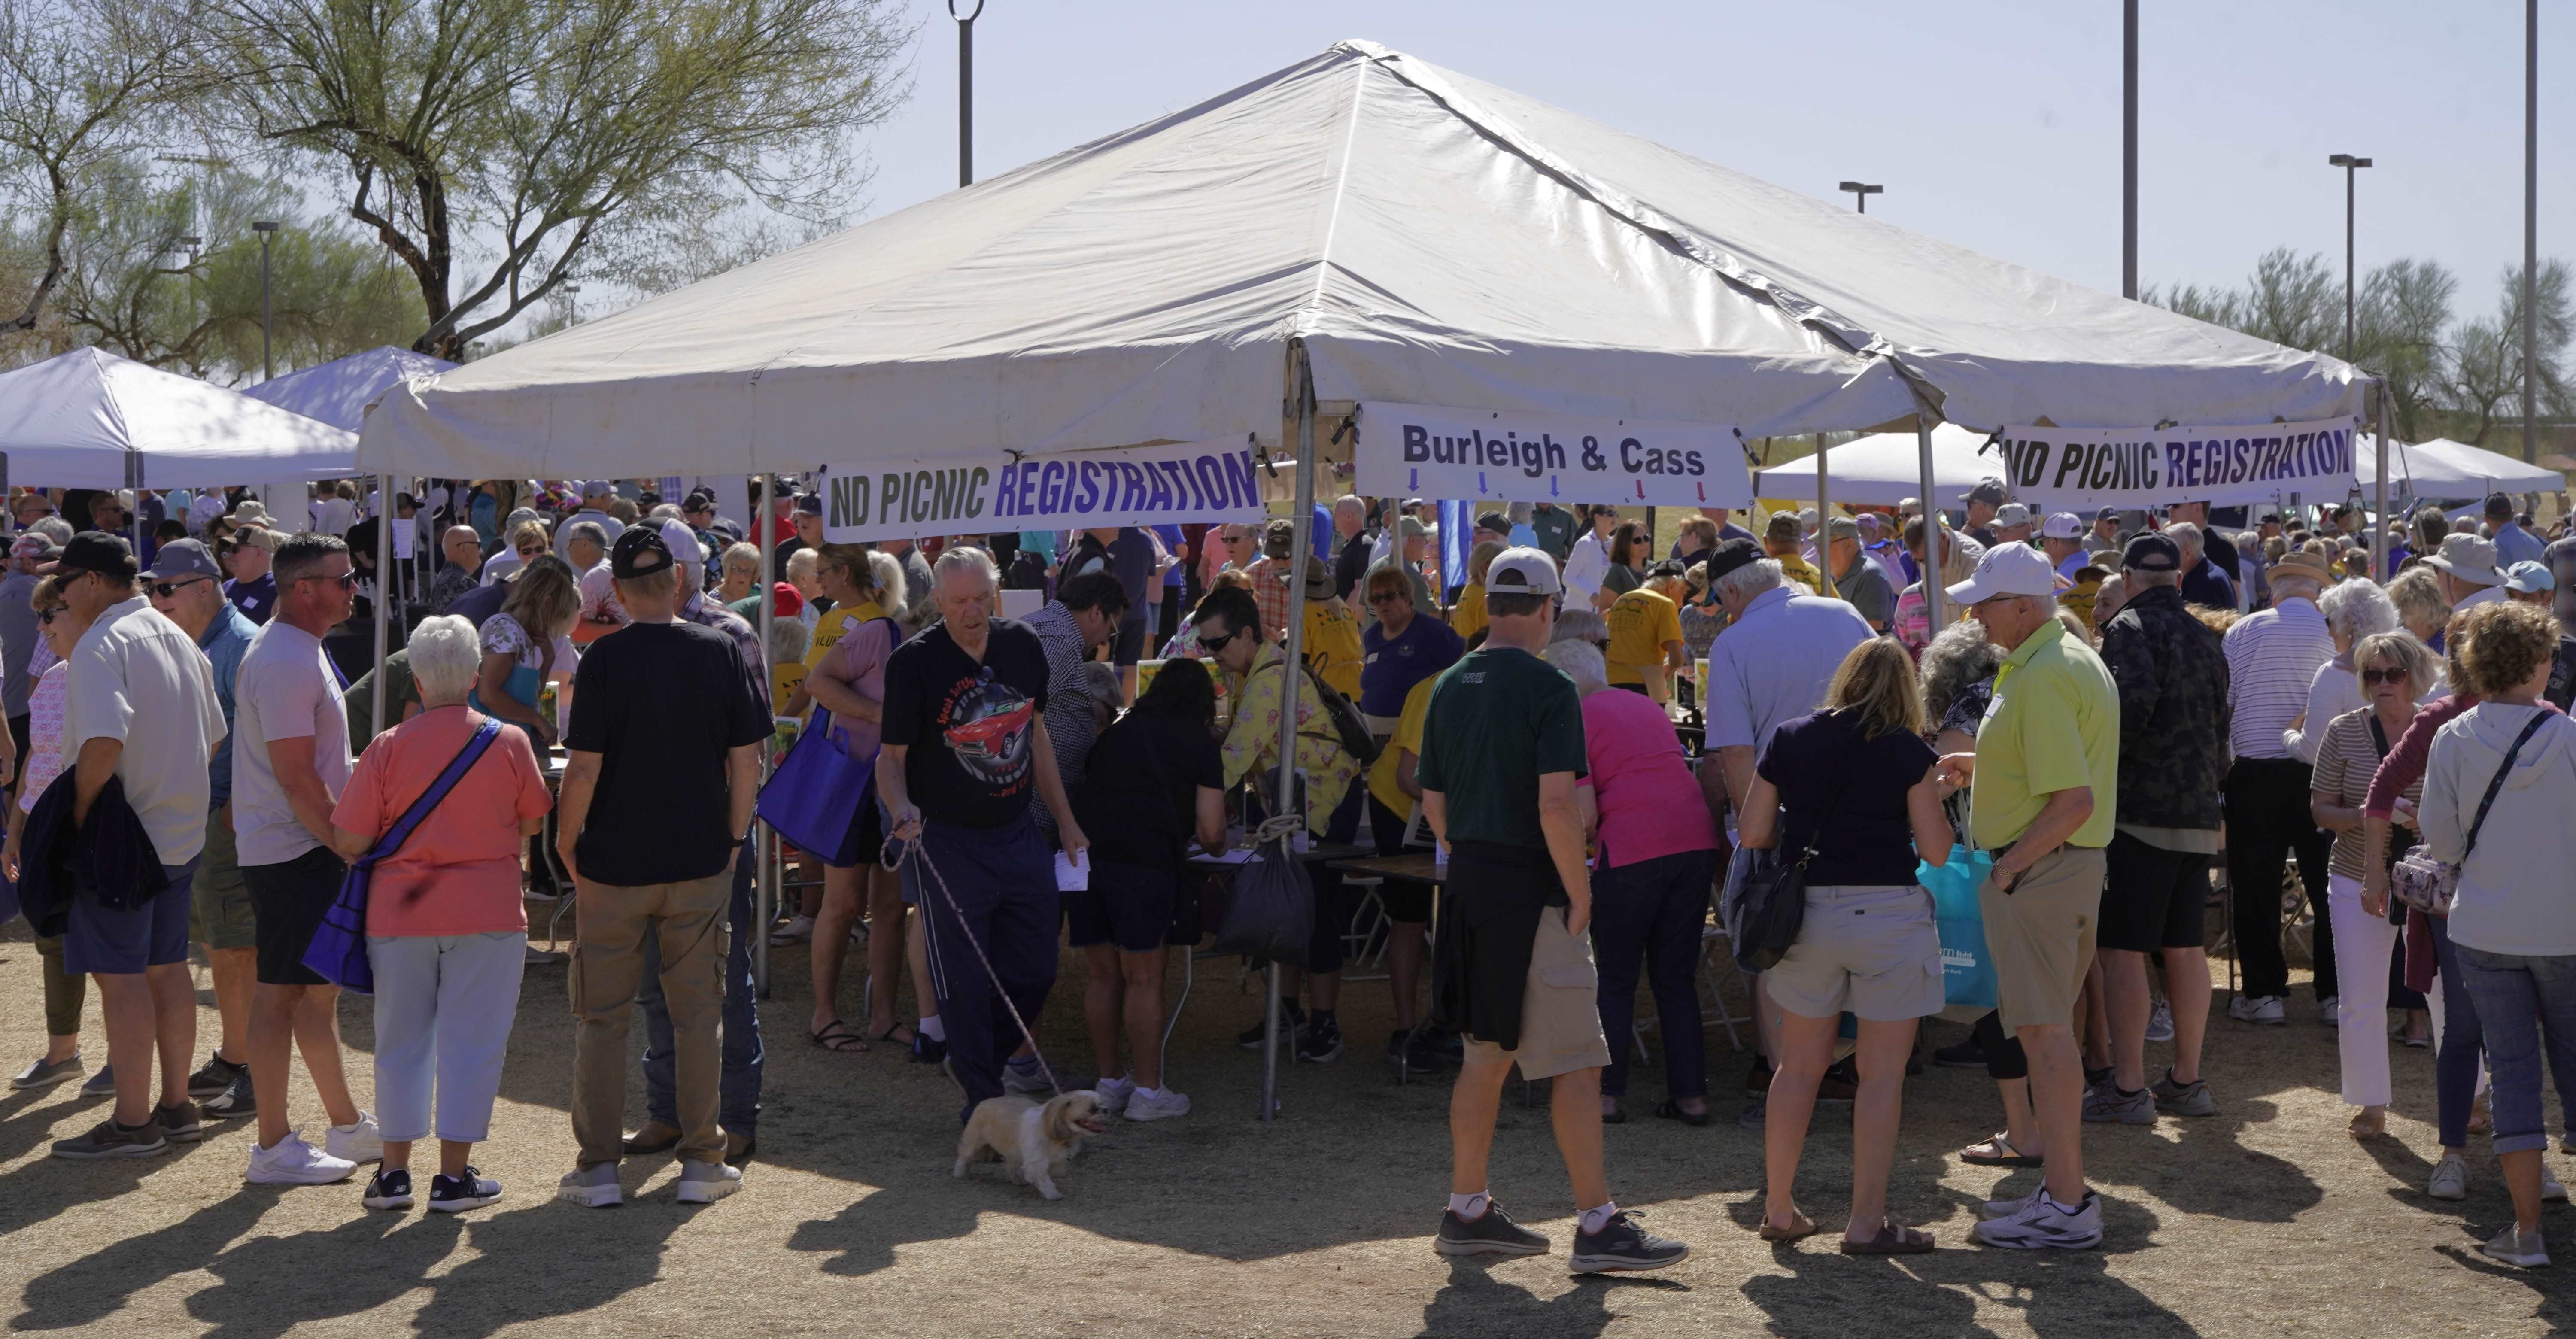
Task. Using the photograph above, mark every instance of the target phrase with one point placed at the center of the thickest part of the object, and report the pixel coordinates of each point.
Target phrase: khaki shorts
(1560, 1009)
(219, 914)
(2041, 936)
(1870, 949)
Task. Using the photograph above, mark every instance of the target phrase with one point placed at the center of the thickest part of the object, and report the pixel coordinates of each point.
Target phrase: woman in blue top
(1402, 649)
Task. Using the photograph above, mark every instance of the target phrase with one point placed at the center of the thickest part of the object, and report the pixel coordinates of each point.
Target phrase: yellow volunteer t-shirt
(784, 680)
(1640, 623)
(1467, 617)
(1799, 569)
(1408, 735)
(834, 624)
(1332, 646)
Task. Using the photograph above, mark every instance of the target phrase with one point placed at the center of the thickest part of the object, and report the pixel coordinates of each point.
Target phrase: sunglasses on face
(1217, 642)
(345, 581)
(2375, 677)
(166, 589)
(1390, 597)
(45, 618)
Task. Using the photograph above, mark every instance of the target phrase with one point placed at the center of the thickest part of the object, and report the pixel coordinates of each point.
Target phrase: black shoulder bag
(1765, 902)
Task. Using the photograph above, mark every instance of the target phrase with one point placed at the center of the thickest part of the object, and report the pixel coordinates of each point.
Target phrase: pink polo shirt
(459, 873)
(1650, 803)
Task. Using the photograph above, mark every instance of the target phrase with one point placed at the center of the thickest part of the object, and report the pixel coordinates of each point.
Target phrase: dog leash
(902, 851)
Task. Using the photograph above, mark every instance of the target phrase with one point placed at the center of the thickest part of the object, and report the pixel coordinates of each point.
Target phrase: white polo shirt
(137, 679)
(287, 689)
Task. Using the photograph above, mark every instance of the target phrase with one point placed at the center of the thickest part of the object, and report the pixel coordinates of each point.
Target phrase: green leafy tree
(500, 147)
(2485, 371)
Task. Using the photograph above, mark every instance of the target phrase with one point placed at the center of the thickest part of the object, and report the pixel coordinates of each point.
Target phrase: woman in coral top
(447, 931)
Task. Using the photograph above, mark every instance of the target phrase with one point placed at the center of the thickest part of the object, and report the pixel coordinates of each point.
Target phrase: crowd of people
(2126, 719)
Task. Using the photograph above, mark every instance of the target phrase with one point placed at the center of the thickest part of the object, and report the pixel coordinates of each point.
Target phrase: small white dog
(1034, 1142)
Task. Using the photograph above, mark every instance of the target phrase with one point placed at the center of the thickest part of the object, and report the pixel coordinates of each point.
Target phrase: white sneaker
(296, 1163)
(2522, 1250)
(2450, 1179)
(1113, 1093)
(592, 1187)
(2550, 1191)
(2160, 1022)
(2266, 1010)
(1162, 1105)
(361, 1142)
(2041, 1225)
(797, 930)
(2330, 1011)
(2007, 1208)
(707, 1182)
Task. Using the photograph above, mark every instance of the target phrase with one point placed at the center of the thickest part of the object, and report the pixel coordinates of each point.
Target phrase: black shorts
(1126, 905)
(1405, 900)
(288, 901)
(866, 839)
(2154, 899)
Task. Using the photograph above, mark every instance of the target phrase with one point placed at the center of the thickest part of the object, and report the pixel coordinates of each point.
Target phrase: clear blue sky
(1993, 125)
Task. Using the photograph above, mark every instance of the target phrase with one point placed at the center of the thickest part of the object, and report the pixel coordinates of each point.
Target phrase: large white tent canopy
(338, 392)
(2442, 468)
(1883, 469)
(78, 420)
(1432, 239)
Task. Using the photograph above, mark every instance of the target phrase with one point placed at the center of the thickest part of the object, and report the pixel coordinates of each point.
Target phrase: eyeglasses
(166, 589)
(2375, 677)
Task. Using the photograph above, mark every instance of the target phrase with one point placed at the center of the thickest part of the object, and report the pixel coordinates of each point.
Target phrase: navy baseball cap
(2152, 553)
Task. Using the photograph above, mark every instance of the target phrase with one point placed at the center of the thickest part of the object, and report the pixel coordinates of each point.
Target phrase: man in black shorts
(2172, 673)
(1502, 748)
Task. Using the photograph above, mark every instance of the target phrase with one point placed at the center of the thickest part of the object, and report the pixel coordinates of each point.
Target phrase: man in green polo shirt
(2046, 770)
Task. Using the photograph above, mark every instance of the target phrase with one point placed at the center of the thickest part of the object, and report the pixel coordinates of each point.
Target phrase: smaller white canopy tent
(2442, 468)
(1886, 468)
(77, 420)
(338, 392)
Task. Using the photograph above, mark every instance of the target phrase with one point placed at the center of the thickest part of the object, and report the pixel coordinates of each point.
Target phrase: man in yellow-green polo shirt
(2046, 771)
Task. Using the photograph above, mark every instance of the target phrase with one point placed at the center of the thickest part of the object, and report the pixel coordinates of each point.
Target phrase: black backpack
(1350, 728)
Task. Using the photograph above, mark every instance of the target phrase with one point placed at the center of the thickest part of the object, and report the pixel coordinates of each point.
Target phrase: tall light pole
(2129, 150)
(2350, 165)
(267, 364)
(966, 89)
(1861, 193)
(2530, 223)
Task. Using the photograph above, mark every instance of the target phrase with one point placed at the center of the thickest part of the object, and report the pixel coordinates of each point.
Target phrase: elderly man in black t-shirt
(965, 745)
(657, 793)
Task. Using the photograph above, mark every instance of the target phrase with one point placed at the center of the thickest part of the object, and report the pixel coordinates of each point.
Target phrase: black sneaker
(110, 1140)
(1623, 1247)
(1412, 1056)
(473, 1190)
(1292, 1021)
(1321, 1041)
(237, 1100)
(213, 1077)
(1965, 1055)
(388, 1190)
(180, 1124)
(926, 1051)
(1490, 1233)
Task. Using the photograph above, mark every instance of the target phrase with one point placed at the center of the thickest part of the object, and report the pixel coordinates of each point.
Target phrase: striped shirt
(2272, 657)
(2347, 759)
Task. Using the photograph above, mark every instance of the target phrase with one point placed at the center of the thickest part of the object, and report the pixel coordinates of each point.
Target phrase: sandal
(836, 1036)
(904, 1041)
(1892, 1239)
(1798, 1227)
(1617, 1117)
(1672, 1110)
(1998, 1151)
(2366, 1126)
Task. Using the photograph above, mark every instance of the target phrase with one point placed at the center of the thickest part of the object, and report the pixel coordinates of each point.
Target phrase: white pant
(444, 1005)
(2362, 945)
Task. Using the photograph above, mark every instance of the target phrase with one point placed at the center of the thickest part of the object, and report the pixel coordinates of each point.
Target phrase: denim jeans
(740, 1112)
(2523, 1002)
(1649, 915)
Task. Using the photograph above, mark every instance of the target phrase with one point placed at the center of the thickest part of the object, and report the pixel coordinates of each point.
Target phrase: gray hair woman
(447, 933)
(1958, 676)
(2353, 610)
(2421, 606)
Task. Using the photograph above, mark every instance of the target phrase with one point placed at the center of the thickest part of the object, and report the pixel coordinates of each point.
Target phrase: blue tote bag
(338, 952)
(1967, 969)
(813, 798)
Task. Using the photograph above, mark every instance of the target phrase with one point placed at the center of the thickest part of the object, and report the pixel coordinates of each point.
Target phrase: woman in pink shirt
(1657, 856)
(447, 931)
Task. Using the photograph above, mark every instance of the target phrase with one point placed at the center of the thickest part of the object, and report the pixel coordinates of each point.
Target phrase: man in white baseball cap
(2062, 535)
(2012, 523)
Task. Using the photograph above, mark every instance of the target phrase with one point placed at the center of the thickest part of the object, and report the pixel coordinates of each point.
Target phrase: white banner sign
(1146, 485)
(1431, 451)
(2075, 469)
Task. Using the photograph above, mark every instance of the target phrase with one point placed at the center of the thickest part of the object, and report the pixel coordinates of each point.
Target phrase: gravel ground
(2266, 1219)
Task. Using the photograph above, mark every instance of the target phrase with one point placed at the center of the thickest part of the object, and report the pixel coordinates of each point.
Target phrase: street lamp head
(2347, 160)
(1858, 188)
(263, 226)
(192, 243)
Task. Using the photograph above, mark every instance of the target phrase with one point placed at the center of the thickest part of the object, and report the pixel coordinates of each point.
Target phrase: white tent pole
(1301, 539)
(385, 604)
(1824, 516)
(765, 900)
(1935, 530)
(2379, 523)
